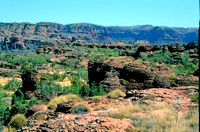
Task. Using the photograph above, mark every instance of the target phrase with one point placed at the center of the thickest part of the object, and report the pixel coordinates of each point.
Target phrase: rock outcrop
(36, 108)
(176, 50)
(29, 80)
(11, 43)
(127, 74)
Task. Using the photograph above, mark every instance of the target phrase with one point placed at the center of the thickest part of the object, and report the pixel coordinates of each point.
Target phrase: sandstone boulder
(36, 108)
(29, 80)
(127, 74)
(65, 107)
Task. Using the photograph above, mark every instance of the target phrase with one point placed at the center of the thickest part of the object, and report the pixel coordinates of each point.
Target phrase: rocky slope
(52, 33)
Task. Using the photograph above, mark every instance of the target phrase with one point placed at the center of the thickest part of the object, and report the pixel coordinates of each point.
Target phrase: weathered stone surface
(50, 49)
(83, 122)
(187, 80)
(176, 48)
(36, 108)
(65, 107)
(127, 74)
(173, 48)
(11, 43)
(196, 73)
(29, 79)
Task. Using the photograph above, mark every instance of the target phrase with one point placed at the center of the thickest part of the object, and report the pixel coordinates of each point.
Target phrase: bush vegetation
(52, 77)
(4, 107)
(13, 85)
(22, 105)
(195, 97)
(92, 90)
(47, 90)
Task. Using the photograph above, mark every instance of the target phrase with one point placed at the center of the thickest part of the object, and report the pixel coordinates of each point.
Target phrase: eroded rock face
(65, 107)
(29, 79)
(175, 49)
(50, 49)
(196, 73)
(11, 43)
(127, 74)
(36, 108)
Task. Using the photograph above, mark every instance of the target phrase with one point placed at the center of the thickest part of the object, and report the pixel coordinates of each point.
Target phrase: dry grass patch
(128, 110)
(6, 129)
(168, 120)
(157, 117)
(65, 83)
(62, 99)
(5, 80)
(125, 111)
(116, 94)
(96, 98)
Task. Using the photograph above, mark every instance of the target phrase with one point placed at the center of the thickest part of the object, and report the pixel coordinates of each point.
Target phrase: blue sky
(175, 13)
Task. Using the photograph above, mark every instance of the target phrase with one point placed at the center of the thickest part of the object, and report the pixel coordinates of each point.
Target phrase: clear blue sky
(176, 13)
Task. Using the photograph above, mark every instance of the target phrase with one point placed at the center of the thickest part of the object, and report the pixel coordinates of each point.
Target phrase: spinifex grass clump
(116, 94)
(18, 120)
(63, 99)
(80, 109)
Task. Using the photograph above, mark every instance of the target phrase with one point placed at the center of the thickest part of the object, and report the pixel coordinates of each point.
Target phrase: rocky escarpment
(19, 42)
(45, 33)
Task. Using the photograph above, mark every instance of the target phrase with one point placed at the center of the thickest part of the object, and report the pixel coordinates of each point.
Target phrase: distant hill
(95, 33)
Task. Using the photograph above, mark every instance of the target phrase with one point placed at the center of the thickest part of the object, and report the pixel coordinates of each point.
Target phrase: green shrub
(47, 90)
(52, 77)
(82, 73)
(13, 85)
(39, 59)
(20, 104)
(4, 107)
(92, 90)
(7, 73)
(75, 87)
(101, 53)
(185, 69)
(144, 56)
(34, 59)
(80, 109)
(18, 120)
(27, 66)
(116, 94)
(195, 97)
(162, 57)
(185, 57)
